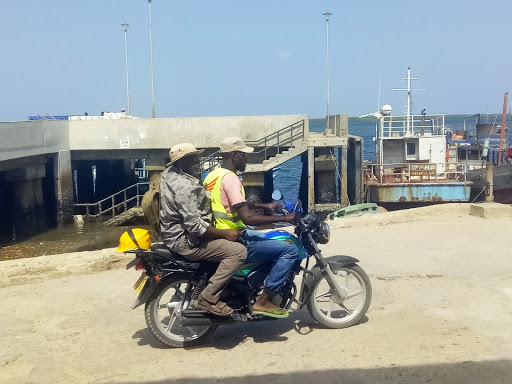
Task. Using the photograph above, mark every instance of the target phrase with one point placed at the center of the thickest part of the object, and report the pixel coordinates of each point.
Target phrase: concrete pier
(27, 198)
(46, 166)
(325, 176)
(63, 181)
(258, 186)
(154, 167)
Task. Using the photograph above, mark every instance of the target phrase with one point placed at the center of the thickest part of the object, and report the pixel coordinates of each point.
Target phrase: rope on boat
(483, 189)
(343, 187)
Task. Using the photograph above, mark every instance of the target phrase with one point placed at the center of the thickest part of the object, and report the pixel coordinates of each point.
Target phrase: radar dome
(386, 109)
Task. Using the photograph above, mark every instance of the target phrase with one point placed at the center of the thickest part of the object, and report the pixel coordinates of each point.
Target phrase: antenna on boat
(409, 89)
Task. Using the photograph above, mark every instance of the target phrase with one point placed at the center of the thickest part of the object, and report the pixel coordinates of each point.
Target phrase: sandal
(220, 308)
(272, 313)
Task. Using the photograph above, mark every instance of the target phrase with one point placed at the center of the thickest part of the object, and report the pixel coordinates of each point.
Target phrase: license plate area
(141, 282)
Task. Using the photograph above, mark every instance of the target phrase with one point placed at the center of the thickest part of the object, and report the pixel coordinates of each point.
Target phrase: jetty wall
(46, 165)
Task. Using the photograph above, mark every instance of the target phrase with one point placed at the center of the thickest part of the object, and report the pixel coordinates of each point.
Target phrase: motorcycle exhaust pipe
(196, 321)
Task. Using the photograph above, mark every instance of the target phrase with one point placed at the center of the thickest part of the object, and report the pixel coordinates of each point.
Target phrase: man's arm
(232, 187)
(272, 207)
(253, 218)
(227, 234)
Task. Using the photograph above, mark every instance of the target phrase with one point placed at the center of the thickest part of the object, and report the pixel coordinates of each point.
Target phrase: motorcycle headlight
(323, 233)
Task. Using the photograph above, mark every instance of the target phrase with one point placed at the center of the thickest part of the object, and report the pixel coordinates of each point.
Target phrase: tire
(163, 315)
(341, 314)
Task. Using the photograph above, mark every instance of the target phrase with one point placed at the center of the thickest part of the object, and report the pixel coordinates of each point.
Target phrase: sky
(232, 57)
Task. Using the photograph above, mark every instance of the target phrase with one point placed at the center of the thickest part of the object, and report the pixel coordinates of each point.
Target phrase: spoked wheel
(332, 312)
(163, 315)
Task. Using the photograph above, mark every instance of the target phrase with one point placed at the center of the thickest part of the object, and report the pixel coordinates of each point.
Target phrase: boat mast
(408, 98)
(409, 89)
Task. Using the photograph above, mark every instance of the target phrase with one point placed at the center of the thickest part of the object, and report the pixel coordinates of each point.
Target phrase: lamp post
(328, 127)
(151, 54)
(125, 27)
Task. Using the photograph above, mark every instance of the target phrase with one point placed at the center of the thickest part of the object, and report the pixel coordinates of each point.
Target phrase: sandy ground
(441, 313)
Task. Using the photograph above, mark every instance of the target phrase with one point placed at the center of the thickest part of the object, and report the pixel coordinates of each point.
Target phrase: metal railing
(415, 172)
(118, 203)
(284, 138)
(142, 173)
(416, 125)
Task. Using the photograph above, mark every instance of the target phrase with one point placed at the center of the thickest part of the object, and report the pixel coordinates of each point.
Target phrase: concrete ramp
(129, 217)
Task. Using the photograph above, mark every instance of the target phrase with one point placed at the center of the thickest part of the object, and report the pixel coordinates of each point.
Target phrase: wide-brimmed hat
(181, 150)
(232, 144)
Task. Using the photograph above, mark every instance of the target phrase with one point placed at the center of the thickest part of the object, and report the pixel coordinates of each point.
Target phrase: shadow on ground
(467, 372)
(229, 336)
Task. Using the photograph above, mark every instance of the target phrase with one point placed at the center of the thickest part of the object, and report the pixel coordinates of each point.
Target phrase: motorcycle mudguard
(132, 263)
(146, 293)
(335, 262)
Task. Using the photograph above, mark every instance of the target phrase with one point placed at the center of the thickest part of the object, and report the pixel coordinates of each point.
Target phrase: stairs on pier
(278, 159)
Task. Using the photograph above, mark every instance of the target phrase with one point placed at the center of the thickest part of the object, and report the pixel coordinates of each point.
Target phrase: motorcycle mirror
(277, 195)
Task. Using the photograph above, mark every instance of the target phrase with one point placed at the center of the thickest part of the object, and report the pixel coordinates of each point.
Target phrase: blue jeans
(283, 252)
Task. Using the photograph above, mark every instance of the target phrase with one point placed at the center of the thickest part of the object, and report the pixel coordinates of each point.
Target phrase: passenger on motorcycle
(186, 225)
(231, 211)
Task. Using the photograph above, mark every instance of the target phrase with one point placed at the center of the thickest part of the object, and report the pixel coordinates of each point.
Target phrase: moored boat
(502, 182)
(411, 160)
(488, 144)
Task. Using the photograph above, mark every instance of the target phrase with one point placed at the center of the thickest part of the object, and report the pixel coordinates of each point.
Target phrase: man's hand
(231, 234)
(274, 207)
(226, 234)
(291, 218)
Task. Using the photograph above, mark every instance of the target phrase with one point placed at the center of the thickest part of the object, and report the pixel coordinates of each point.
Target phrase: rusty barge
(411, 164)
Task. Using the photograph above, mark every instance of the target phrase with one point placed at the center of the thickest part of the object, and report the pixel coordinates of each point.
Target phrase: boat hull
(502, 182)
(419, 192)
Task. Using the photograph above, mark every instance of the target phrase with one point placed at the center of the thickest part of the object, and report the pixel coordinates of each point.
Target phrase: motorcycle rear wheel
(163, 314)
(330, 311)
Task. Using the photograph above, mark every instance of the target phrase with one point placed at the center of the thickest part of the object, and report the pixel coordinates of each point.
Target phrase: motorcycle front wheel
(163, 314)
(327, 308)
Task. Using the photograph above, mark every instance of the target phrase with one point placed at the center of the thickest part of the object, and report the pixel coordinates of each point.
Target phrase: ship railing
(414, 172)
(115, 204)
(412, 126)
(270, 145)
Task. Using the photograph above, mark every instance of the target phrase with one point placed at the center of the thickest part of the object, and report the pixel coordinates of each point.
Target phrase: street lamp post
(125, 27)
(151, 54)
(328, 127)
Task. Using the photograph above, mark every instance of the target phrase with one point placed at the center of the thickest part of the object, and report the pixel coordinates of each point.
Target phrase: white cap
(232, 144)
(181, 150)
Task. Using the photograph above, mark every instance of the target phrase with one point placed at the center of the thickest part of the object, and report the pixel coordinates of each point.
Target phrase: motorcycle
(336, 291)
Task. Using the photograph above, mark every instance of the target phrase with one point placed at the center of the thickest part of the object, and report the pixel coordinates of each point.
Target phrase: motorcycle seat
(161, 250)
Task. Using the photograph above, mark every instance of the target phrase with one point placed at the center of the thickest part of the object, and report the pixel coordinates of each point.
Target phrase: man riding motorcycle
(185, 222)
(231, 210)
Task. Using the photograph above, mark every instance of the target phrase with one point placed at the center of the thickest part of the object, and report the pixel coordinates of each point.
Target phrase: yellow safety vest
(221, 218)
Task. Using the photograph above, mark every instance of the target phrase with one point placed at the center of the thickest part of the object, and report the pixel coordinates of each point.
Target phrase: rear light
(139, 266)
